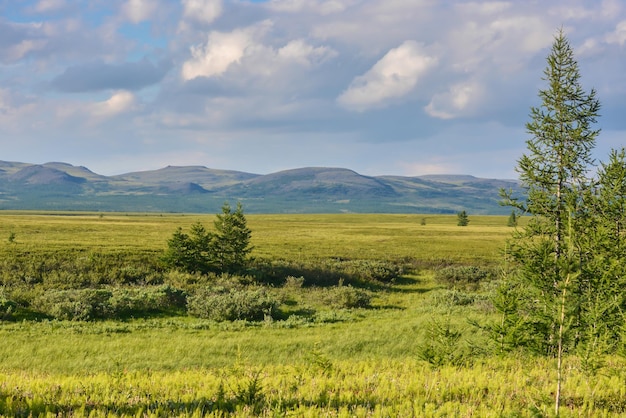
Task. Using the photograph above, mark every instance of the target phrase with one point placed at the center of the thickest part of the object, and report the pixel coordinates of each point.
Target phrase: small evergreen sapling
(462, 218)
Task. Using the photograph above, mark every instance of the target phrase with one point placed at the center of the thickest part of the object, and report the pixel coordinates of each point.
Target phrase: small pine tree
(202, 251)
(462, 218)
(512, 219)
(232, 244)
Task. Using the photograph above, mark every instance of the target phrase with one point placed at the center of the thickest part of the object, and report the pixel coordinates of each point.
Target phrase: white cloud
(119, 102)
(244, 47)
(618, 36)
(460, 100)
(221, 51)
(214, 58)
(137, 11)
(205, 11)
(392, 77)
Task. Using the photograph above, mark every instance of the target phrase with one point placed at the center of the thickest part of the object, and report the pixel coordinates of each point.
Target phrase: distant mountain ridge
(198, 189)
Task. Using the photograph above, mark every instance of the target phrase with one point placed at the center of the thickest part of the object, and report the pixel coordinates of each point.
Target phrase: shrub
(443, 345)
(229, 304)
(327, 272)
(138, 301)
(76, 305)
(91, 304)
(347, 297)
(462, 276)
(7, 307)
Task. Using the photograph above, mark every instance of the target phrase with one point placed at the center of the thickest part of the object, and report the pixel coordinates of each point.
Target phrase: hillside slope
(61, 186)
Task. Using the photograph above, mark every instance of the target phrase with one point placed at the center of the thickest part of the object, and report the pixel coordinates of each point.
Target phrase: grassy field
(286, 236)
(361, 362)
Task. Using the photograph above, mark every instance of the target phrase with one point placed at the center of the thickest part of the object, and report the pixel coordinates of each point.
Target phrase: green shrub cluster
(468, 277)
(77, 269)
(346, 297)
(328, 272)
(90, 304)
(221, 303)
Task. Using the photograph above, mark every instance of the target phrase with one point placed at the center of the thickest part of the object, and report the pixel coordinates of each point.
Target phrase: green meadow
(340, 345)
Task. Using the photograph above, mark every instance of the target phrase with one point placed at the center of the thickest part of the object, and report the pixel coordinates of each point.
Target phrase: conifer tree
(232, 244)
(554, 174)
(512, 221)
(224, 251)
(462, 218)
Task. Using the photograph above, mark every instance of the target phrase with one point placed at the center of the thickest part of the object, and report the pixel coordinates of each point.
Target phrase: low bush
(76, 305)
(328, 272)
(467, 277)
(229, 304)
(347, 297)
(79, 269)
(7, 307)
(92, 304)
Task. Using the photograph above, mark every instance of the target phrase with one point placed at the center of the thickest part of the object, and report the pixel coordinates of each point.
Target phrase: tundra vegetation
(333, 315)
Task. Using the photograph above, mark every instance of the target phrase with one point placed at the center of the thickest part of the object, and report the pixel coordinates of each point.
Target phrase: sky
(382, 87)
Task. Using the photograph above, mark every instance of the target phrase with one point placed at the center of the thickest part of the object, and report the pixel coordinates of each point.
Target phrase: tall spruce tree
(547, 252)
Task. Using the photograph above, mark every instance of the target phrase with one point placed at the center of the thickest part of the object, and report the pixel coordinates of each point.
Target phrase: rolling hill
(197, 189)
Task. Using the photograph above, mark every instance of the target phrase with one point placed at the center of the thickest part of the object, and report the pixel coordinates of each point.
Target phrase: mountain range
(197, 189)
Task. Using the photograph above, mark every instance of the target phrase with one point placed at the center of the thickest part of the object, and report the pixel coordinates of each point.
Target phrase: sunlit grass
(386, 237)
(338, 362)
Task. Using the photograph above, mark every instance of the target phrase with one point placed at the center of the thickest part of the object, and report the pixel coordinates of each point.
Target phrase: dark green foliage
(562, 301)
(201, 251)
(230, 304)
(191, 252)
(462, 276)
(462, 218)
(550, 252)
(328, 272)
(232, 240)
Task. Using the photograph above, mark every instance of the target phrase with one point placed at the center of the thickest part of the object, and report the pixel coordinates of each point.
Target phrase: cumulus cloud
(392, 77)
(460, 100)
(204, 11)
(98, 75)
(225, 49)
(119, 102)
(221, 50)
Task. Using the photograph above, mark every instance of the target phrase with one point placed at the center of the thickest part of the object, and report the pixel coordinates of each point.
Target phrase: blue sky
(402, 87)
